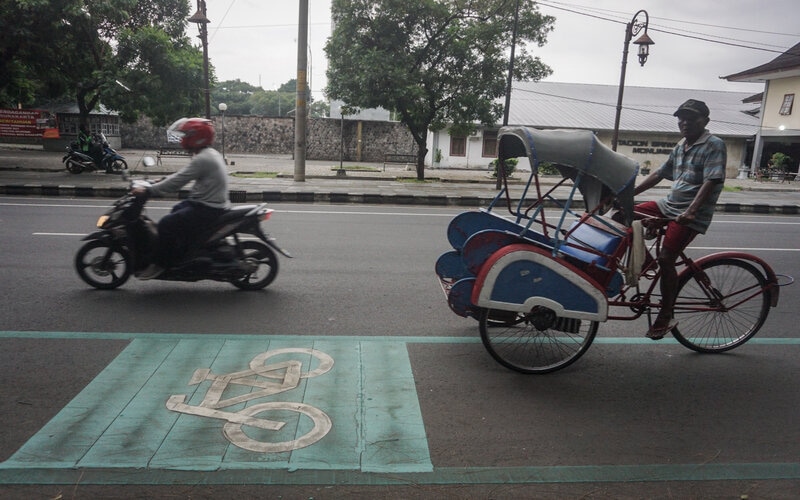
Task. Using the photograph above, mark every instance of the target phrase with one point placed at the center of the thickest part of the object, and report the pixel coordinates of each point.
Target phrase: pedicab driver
(207, 200)
(696, 167)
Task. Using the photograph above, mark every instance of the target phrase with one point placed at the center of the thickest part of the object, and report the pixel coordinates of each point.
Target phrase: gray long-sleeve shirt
(207, 170)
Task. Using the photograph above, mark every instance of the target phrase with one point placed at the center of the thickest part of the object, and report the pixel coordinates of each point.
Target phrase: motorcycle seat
(235, 213)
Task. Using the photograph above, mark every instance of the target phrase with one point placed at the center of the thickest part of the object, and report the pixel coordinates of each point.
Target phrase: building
(779, 128)
(648, 130)
(101, 120)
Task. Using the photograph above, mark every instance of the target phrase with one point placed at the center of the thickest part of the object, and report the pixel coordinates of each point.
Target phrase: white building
(648, 130)
(779, 129)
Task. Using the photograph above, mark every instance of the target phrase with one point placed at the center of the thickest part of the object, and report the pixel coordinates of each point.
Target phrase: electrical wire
(592, 12)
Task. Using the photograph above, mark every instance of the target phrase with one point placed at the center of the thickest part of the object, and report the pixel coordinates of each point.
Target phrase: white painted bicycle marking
(269, 379)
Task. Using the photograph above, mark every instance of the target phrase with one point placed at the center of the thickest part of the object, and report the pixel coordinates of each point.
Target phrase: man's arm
(648, 182)
(699, 199)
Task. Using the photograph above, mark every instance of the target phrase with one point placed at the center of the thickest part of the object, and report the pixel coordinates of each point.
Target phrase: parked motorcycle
(107, 158)
(127, 241)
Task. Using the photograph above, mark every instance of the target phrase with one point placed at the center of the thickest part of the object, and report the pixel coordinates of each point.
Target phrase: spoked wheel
(263, 264)
(103, 266)
(723, 312)
(119, 165)
(535, 342)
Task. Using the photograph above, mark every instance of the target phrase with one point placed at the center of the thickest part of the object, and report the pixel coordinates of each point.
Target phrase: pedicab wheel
(103, 266)
(537, 341)
(263, 264)
(724, 311)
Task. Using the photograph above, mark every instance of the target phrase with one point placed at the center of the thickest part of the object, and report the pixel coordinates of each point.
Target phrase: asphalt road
(631, 419)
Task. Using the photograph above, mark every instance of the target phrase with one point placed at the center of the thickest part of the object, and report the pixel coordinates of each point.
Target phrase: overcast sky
(256, 41)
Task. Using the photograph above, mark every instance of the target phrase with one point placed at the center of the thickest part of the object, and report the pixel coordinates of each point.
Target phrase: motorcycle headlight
(102, 220)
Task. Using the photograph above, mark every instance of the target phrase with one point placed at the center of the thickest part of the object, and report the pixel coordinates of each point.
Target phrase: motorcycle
(107, 159)
(127, 240)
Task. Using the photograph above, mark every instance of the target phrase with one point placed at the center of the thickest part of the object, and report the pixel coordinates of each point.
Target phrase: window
(458, 146)
(786, 107)
(489, 144)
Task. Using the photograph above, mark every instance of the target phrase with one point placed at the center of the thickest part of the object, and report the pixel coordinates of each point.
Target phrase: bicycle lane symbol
(267, 379)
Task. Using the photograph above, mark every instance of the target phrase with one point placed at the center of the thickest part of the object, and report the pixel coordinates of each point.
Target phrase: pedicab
(540, 273)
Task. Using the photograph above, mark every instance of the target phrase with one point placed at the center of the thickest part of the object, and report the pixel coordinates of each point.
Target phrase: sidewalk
(271, 178)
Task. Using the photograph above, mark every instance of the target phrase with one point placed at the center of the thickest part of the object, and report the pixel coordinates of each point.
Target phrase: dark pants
(180, 229)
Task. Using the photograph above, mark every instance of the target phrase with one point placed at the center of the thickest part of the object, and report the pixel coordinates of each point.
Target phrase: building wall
(772, 119)
(642, 147)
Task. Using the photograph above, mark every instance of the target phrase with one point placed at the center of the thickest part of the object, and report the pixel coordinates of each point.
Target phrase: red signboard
(24, 122)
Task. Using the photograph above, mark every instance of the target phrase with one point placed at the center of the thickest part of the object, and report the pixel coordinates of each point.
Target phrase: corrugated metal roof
(644, 109)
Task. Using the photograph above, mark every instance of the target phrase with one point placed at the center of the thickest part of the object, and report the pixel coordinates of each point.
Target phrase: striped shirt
(688, 169)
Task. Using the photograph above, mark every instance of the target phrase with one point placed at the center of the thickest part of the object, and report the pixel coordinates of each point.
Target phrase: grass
(355, 168)
(732, 189)
(256, 175)
(427, 180)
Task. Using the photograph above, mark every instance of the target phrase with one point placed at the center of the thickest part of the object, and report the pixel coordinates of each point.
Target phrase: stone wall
(327, 138)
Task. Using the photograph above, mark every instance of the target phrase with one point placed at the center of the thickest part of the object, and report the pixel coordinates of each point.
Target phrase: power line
(743, 44)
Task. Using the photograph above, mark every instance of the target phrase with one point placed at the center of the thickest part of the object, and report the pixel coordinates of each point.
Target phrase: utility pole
(301, 108)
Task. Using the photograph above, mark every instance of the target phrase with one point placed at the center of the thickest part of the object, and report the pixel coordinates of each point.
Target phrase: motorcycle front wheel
(103, 266)
(119, 165)
(263, 263)
(74, 167)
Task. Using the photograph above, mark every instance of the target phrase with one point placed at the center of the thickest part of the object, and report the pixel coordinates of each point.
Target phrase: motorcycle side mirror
(148, 161)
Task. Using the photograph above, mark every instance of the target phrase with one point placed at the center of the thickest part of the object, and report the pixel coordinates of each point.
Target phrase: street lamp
(202, 21)
(644, 42)
(222, 108)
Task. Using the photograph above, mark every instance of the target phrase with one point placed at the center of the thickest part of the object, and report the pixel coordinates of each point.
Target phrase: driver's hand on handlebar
(139, 191)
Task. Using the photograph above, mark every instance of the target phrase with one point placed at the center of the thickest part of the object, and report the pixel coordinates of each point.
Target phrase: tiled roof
(644, 109)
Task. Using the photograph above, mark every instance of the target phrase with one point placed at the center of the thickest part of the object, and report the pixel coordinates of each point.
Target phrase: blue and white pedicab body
(528, 266)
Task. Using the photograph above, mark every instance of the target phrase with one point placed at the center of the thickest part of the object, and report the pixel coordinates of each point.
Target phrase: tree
(236, 94)
(133, 54)
(154, 75)
(435, 62)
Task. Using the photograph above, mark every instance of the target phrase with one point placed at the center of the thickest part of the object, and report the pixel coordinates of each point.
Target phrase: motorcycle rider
(91, 148)
(207, 200)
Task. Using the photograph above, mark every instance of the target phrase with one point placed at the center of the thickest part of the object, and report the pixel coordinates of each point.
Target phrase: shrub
(511, 166)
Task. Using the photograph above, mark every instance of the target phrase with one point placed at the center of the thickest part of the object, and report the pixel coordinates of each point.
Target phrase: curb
(243, 196)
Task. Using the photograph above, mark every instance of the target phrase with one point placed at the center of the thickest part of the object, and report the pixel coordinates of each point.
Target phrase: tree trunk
(422, 151)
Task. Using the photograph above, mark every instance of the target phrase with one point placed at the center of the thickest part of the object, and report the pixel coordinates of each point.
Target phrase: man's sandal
(658, 333)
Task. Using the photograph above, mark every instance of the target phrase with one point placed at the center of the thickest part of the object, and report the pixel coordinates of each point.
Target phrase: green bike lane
(291, 410)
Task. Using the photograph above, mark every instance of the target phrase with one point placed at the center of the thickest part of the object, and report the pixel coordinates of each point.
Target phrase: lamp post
(222, 108)
(202, 21)
(644, 42)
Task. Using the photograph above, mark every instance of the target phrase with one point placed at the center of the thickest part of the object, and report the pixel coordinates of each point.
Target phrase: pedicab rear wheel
(535, 342)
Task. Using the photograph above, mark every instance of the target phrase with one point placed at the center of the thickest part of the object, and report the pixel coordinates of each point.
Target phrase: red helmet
(194, 133)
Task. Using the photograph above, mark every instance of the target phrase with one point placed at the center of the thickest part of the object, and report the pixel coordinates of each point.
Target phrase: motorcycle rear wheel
(103, 266)
(266, 265)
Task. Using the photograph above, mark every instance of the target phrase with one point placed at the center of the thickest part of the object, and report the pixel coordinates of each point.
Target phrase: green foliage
(780, 161)
(435, 62)
(245, 99)
(547, 168)
(52, 49)
(510, 166)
